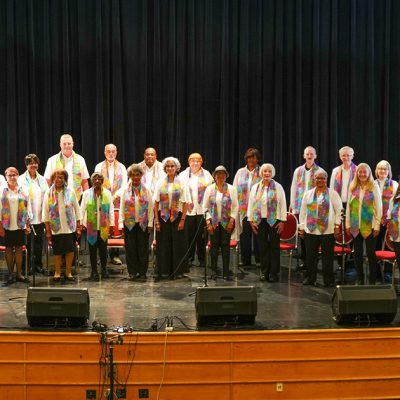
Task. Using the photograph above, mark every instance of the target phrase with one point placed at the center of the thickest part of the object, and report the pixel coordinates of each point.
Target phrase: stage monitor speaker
(216, 305)
(364, 303)
(57, 307)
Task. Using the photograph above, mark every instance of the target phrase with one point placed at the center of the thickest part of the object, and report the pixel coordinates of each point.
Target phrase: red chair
(343, 249)
(387, 254)
(116, 241)
(289, 238)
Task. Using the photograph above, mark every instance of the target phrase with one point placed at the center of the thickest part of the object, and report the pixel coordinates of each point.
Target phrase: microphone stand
(32, 255)
(343, 254)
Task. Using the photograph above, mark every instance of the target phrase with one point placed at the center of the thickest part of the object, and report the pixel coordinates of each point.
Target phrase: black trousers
(396, 246)
(100, 246)
(136, 250)
(37, 245)
(370, 245)
(171, 249)
(313, 244)
(220, 239)
(247, 241)
(268, 243)
(196, 237)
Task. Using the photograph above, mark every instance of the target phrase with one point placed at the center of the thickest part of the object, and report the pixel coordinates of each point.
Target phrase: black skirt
(15, 238)
(63, 243)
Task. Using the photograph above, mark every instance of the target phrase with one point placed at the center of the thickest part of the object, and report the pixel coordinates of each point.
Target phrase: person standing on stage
(343, 174)
(62, 218)
(152, 168)
(171, 199)
(97, 210)
(363, 219)
(303, 180)
(15, 212)
(266, 214)
(3, 181)
(393, 224)
(197, 179)
(220, 199)
(36, 186)
(320, 218)
(245, 179)
(115, 179)
(73, 163)
(136, 220)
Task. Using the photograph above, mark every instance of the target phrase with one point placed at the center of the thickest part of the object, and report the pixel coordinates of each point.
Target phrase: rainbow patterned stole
(165, 212)
(394, 230)
(91, 220)
(28, 181)
(243, 189)
(201, 188)
(367, 213)
(129, 207)
(301, 183)
(271, 203)
(117, 182)
(387, 194)
(318, 212)
(76, 172)
(338, 178)
(155, 175)
(226, 206)
(22, 215)
(54, 212)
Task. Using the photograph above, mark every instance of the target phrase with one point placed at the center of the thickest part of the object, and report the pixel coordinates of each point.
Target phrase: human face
(12, 178)
(111, 153)
(195, 164)
(362, 175)
(346, 156)
(310, 156)
(32, 168)
(150, 157)
(135, 178)
(59, 181)
(251, 162)
(267, 174)
(66, 145)
(97, 182)
(170, 168)
(220, 178)
(320, 181)
(382, 171)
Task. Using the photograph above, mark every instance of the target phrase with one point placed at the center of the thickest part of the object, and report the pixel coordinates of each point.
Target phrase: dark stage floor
(120, 302)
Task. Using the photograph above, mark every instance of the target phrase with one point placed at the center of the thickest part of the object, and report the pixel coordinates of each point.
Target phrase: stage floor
(142, 305)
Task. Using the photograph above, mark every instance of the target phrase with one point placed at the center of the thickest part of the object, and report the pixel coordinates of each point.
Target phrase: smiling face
(320, 181)
(346, 156)
(195, 164)
(32, 168)
(150, 157)
(309, 155)
(12, 177)
(135, 178)
(220, 178)
(97, 181)
(66, 145)
(267, 174)
(59, 180)
(251, 162)
(363, 174)
(170, 168)
(382, 171)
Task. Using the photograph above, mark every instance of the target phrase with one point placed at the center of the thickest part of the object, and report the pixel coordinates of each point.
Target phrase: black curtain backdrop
(213, 76)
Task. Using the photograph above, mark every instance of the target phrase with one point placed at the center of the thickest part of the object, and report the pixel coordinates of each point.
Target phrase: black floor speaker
(364, 303)
(219, 305)
(58, 307)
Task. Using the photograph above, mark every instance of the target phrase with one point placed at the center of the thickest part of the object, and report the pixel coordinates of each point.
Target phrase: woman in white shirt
(15, 211)
(266, 213)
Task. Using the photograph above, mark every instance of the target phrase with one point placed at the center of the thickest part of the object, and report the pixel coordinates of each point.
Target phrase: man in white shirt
(115, 180)
(73, 163)
(153, 169)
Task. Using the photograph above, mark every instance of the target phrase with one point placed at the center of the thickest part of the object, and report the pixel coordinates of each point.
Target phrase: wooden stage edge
(359, 363)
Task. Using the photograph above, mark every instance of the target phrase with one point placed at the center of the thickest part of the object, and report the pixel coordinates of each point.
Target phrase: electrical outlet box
(279, 387)
(120, 393)
(143, 393)
(90, 394)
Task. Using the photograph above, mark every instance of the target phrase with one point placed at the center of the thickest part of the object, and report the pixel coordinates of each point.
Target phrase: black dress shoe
(227, 278)
(94, 277)
(22, 279)
(263, 278)
(104, 274)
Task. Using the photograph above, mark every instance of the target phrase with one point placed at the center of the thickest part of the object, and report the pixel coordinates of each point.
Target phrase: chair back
(345, 238)
(116, 232)
(290, 227)
(388, 243)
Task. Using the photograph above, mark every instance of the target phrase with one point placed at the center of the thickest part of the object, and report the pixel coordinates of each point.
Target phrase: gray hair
(267, 165)
(174, 160)
(321, 171)
(134, 168)
(386, 164)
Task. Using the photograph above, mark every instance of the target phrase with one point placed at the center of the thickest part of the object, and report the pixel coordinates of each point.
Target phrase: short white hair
(267, 165)
(174, 160)
(346, 148)
(321, 171)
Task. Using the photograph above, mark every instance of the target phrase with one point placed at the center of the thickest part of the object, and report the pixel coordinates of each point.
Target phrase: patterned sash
(155, 175)
(318, 212)
(271, 201)
(28, 182)
(76, 172)
(165, 212)
(91, 223)
(387, 194)
(367, 211)
(338, 178)
(22, 215)
(117, 181)
(394, 231)
(226, 206)
(129, 207)
(301, 183)
(243, 189)
(201, 188)
(54, 212)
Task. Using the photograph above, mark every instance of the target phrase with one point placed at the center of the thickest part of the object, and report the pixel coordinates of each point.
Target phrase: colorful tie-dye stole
(243, 189)
(271, 203)
(28, 182)
(91, 211)
(387, 194)
(76, 172)
(54, 212)
(367, 213)
(129, 207)
(301, 183)
(155, 175)
(117, 182)
(201, 188)
(318, 212)
(338, 178)
(226, 206)
(165, 212)
(394, 230)
(22, 215)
